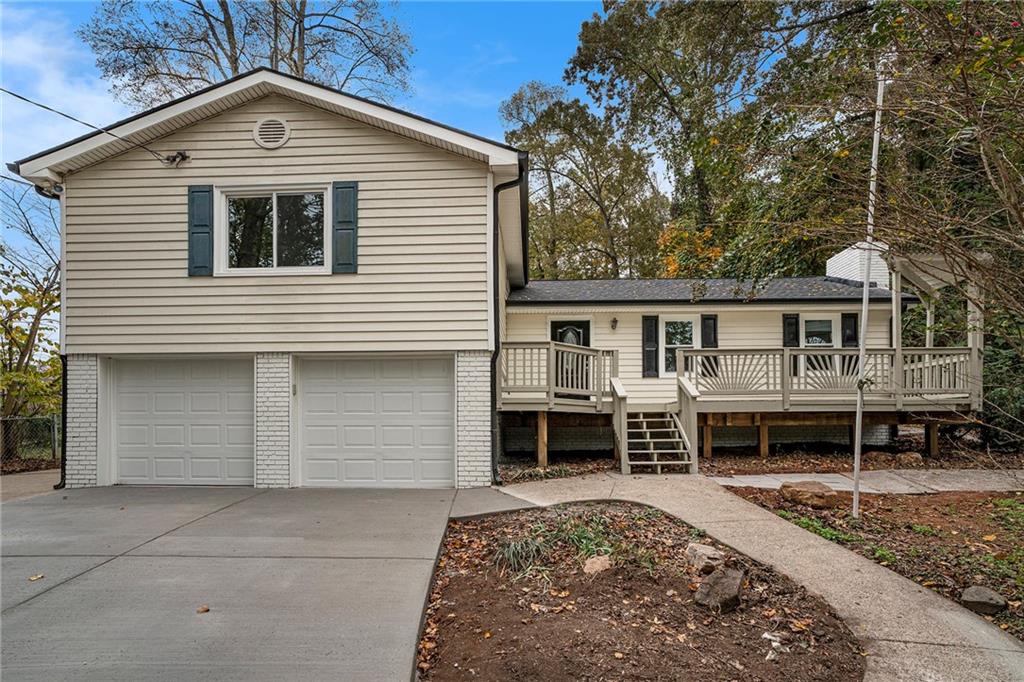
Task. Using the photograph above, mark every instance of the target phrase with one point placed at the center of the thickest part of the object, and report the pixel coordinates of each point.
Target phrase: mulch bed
(18, 466)
(944, 541)
(510, 601)
(521, 468)
(831, 458)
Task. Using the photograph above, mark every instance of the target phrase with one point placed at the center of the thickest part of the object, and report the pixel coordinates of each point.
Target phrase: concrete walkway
(894, 481)
(20, 486)
(910, 632)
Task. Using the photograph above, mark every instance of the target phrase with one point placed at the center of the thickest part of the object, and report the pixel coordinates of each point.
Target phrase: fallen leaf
(619, 655)
(487, 634)
(36, 577)
(988, 538)
(203, 609)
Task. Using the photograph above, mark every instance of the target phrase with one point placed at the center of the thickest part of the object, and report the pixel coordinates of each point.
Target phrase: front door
(573, 332)
(571, 370)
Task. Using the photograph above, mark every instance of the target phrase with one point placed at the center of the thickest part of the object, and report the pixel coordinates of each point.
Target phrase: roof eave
(38, 167)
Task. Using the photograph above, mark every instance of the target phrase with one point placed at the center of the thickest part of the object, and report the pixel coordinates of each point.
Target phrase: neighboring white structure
(849, 264)
(273, 283)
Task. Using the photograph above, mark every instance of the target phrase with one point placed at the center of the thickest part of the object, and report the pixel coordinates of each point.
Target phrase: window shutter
(200, 231)
(848, 324)
(709, 331)
(650, 345)
(344, 226)
(791, 337)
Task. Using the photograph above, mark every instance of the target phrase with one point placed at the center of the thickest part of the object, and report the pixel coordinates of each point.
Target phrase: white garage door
(184, 422)
(377, 423)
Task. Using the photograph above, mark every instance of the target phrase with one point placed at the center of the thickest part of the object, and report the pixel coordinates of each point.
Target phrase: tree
(156, 51)
(595, 209)
(30, 281)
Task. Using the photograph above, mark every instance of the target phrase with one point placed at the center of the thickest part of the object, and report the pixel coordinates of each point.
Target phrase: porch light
(615, 323)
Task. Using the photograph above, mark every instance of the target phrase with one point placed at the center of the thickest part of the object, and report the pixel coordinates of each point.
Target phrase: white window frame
(220, 229)
(834, 318)
(662, 346)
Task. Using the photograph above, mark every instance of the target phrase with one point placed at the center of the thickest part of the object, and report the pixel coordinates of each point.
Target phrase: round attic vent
(271, 133)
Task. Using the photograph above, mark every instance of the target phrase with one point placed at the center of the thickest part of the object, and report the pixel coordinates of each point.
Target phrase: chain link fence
(29, 443)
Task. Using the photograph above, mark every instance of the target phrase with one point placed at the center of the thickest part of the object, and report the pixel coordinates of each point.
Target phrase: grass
(884, 555)
(1010, 513)
(923, 529)
(818, 528)
(518, 556)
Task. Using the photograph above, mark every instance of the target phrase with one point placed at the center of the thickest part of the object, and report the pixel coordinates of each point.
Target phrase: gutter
(524, 217)
(63, 422)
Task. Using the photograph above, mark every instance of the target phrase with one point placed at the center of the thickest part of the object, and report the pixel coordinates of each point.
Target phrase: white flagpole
(862, 341)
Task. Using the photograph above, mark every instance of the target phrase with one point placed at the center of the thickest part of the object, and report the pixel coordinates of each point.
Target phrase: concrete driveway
(309, 584)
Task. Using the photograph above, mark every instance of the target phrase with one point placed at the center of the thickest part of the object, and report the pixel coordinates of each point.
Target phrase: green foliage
(1010, 513)
(819, 528)
(884, 555)
(517, 556)
(923, 529)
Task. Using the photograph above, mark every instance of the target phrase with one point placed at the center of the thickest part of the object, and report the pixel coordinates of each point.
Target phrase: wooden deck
(743, 387)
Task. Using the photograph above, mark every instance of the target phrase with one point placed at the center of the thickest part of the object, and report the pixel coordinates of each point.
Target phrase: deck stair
(655, 440)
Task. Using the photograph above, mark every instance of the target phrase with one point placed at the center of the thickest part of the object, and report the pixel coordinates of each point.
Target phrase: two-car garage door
(360, 422)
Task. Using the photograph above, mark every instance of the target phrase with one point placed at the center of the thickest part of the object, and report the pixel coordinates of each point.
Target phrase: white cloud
(43, 59)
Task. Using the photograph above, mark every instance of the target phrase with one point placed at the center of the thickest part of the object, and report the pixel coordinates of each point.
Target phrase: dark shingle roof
(676, 291)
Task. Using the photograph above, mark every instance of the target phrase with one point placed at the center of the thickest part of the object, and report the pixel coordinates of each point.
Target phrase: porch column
(929, 323)
(976, 343)
(897, 337)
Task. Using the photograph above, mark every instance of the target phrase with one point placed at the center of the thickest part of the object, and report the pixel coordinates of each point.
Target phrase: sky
(469, 57)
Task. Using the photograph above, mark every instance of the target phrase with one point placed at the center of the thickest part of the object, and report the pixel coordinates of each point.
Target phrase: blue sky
(469, 57)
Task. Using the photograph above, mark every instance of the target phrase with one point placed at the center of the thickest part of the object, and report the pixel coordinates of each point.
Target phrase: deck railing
(794, 372)
(556, 373)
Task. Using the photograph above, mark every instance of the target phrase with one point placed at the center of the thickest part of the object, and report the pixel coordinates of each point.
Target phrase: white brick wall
(473, 418)
(83, 420)
(273, 420)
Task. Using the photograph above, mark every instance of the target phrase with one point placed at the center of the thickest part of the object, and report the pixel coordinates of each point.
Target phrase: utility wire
(20, 182)
(159, 157)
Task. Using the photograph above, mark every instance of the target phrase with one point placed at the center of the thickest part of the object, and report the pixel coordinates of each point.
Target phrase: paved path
(910, 632)
(894, 481)
(301, 584)
(18, 486)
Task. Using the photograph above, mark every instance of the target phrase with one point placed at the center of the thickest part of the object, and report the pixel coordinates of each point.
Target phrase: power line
(20, 182)
(159, 157)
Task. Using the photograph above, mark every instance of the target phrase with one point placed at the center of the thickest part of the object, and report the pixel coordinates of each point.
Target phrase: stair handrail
(620, 422)
(687, 395)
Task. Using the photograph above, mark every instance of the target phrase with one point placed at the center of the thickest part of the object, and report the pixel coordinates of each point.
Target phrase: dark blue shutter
(200, 231)
(791, 337)
(650, 345)
(344, 226)
(848, 324)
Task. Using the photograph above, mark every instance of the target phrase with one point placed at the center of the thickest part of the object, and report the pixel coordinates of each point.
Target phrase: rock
(720, 591)
(704, 558)
(982, 600)
(909, 459)
(810, 493)
(596, 564)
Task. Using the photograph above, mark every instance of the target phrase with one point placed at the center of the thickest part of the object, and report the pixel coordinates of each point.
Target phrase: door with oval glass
(573, 371)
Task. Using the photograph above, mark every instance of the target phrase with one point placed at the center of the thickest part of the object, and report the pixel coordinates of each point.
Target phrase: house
(273, 283)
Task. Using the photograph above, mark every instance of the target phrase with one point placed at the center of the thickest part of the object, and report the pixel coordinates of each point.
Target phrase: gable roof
(690, 291)
(47, 165)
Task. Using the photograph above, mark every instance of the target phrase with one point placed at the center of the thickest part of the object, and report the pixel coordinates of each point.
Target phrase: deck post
(707, 442)
(551, 374)
(975, 341)
(784, 375)
(762, 437)
(931, 439)
(897, 337)
(542, 440)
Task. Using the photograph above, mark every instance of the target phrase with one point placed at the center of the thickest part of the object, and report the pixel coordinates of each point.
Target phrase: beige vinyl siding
(748, 326)
(422, 280)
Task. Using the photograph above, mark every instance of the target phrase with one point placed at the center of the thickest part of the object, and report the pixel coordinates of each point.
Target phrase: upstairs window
(276, 230)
